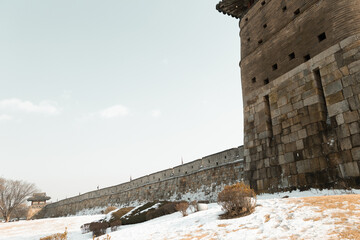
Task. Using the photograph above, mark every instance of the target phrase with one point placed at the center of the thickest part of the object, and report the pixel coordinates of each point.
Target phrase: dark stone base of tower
(300, 73)
(302, 129)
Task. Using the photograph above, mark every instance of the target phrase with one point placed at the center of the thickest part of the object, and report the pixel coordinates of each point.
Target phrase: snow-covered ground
(296, 217)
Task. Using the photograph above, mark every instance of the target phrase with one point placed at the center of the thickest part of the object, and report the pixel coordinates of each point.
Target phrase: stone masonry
(201, 179)
(300, 73)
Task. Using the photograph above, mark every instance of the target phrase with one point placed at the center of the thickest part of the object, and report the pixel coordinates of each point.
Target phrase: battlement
(202, 178)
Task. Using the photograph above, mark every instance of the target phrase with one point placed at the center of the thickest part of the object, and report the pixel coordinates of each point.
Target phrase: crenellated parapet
(202, 178)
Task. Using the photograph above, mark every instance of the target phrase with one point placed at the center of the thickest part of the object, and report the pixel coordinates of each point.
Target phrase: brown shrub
(56, 236)
(109, 209)
(182, 207)
(98, 228)
(164, 209)
(121, 212)
(115, 224)
(237, 200)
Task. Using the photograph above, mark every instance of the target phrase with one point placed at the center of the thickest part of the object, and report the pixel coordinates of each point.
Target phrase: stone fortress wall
(300, 73)
(201, 179)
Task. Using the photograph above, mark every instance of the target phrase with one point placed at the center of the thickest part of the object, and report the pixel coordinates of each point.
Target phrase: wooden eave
(234, 8)
(38, 198)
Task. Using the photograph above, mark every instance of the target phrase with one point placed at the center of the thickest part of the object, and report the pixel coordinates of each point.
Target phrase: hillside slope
(315, 217)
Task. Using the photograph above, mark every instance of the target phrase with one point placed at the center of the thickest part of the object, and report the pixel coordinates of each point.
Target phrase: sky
(93, 92)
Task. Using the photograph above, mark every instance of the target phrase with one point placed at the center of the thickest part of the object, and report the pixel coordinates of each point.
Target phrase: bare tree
(13, 193)
(20, 212)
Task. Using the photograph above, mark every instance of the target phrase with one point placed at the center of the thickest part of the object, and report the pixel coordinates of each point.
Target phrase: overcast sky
(93, 92)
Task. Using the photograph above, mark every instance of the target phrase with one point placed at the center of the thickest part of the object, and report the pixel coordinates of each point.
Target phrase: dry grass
(56, 236)
(267, 218)
(339, 208)
(223, 225)
(110, 209)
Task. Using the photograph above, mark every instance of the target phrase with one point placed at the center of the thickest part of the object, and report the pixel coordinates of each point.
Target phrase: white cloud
(15, 104)
(114, 111)
(156, 113)
(5, 117)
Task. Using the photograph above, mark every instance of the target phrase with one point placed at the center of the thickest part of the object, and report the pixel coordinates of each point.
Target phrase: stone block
(302, 133)
(286, 109)
(312, 129)
(259, 164)
(347, 41)
(293, 169)
(282, 101)
(333, 87)
(350, 169)
(314, 164)
(354, 67)
(355, 152)
(312, 100)
(282, 159)
(334, 98)
(350, 53)
(338, 108)
(285, 170)
(288, 157)
(299, 145)
(290, 147)
(275, 172)
(277, 129)
(345, 143)
(260, 184)
(295, 128)
(340, 119)
(285, 139)
(275, 113)
(355, 140)
(351, 116)
(328, 69)
(262, 173)
(293, 136)
(354, 128)
(267, 162)
(345, 71)
(343, 131)
(348, 81)
(348, 92)
(303, 166)
(298, 105)
(354, 103)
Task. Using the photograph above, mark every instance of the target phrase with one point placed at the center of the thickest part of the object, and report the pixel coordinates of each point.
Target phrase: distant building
(38, 201)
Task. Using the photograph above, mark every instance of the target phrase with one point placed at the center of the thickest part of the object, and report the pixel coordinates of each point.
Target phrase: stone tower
(300, 73)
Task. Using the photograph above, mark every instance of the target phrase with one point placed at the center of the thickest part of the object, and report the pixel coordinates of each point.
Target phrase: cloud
(18, 105)
(156, 113)
(5, 117)
(114, 111)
